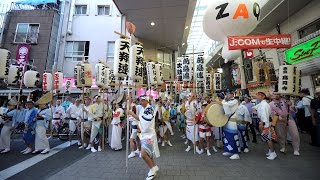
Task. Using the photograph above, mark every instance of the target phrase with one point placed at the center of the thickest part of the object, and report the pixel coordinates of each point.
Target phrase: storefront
(306, 56)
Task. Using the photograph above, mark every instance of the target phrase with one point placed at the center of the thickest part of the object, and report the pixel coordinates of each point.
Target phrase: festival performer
(243, 118)
(116, 128)
(85, 124)
(30, 125)
(43, 118)
(164, 124)
(173, 116)
(204, 131)
(268, 133)
(281, 110)
(247, 102)
(8, 120)
(192, 127)
(58, 114)
(218, 130)
(230, 131)
(73, 112)
(134, 139)
(181, 109)
(148, 137)
(95, 115)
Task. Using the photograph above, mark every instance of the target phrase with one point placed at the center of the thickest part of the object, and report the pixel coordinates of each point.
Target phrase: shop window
(309, 29)
(26, 33)
(81, 10)
(77, 50)
(316, 80)
(103, 10)
(110, 52)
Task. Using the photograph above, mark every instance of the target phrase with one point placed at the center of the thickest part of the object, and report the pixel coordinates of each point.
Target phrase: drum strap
(231, 116)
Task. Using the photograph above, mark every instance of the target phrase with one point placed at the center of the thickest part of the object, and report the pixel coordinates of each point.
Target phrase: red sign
(256, 42)
(44, 82)
(23, 54)
(248, 54)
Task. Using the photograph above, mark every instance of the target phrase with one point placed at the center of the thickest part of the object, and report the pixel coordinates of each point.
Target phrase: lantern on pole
(4, 63)
(47, 81)
(58, 81)
(31, 79)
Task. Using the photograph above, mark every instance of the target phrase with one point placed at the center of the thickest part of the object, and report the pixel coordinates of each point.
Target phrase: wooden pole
(194, 91)
(103, 120)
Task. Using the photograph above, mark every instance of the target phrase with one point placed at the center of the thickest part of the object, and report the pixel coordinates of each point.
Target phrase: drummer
(230, 131)
(243, 118)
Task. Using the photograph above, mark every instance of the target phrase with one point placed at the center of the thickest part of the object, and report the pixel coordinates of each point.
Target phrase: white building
(88, 32)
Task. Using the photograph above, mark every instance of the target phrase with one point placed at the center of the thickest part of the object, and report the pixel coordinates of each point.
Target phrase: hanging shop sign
(248, 54)
(288, 79)
(304, 52)
(261, 41)
(23, 54)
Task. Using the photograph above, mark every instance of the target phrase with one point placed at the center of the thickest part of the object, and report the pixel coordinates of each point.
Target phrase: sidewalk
(175, 163)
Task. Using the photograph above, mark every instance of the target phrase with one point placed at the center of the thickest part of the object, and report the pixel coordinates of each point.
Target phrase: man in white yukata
(58, 115)
(116, 128)
(148, 136)
(85, 124)
(43, 118)
(134, 139)
(192, 128)
(96, 116)
(243, 118)
(73, 111)
(230, 130)
(8, 121)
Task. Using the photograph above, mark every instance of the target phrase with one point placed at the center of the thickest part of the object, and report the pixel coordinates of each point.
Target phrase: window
(103, 10)
(77, 50)
(110, 52)
(309, 29)
(81, 10)
(26, 33)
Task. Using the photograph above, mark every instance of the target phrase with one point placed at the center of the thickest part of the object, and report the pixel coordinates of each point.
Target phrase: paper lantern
(159, 74)
(217, 81)
(136, 62)
(4, 63)
(112, 81)
(58, 81)
(269, 71)
(107, 75)
(179, 69)
(86, 75)
(230, 17)
(68, 86)
(208, 82)
(151, 70)
(31, 78)
(186, 69)
(14, 75)
(121, 58)
(101, 71)
(259, 71)
(229, 54)
(47, 81)
(287, 79)
(77, 73)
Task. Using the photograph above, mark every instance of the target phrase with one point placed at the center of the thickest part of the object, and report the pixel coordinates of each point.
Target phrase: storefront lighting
(220, 70)
(152, 24)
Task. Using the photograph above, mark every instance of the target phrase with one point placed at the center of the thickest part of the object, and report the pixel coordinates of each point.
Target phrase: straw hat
(46, 98)
(13, 101)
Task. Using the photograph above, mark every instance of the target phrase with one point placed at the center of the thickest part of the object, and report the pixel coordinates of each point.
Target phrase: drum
(215, 115)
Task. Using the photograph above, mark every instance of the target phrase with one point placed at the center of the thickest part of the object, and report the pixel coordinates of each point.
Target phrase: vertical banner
(68, 86)
(217, 81)
(121, 58)
(112, 81)
(287, 79)
(58, 80)
(100, 70)
(47, 82)
(200, 75)
(86, 75)
(159, 74)
(151, 70)
(186, 69)
(179, 69)
(4, 63)
(208, 82)
(136, 62)
(23, 54)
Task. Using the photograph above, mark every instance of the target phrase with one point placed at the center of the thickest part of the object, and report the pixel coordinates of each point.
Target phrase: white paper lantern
(179, 69)
(100, 71)
(159, 74)
(68, 86)
(31, 78)
(77, 76)
(186, 69)
(287, 80)
(112, 81)
(121, 58)
(229, 54)
(208, 82)
(217, 81)
(136, 62)
(230, 17)
(199, 68)
(15, 73)
(47, 81)
(58, 81)
(4, 63)
(151, 70)
(86, 75)
(107, 75)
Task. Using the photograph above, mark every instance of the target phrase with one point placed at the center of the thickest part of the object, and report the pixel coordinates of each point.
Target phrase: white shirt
(95, 111)
(116, 116)
(264, 112)
(243, 114)
(230, 107)
(147, 120)
(306, 101)
(58, 112)
(73, 110)
(85, 114)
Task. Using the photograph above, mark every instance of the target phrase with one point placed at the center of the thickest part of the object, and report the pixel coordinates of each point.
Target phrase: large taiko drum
(215, 115)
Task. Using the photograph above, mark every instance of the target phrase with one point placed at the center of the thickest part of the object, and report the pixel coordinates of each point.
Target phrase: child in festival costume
(204, 130)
